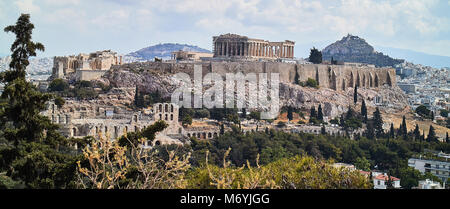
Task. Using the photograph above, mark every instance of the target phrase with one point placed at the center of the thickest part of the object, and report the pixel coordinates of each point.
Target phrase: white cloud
(27, 6)
(403, 21)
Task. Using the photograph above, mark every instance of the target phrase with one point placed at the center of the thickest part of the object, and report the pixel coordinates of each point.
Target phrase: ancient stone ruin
(232, 45)
(85, 66)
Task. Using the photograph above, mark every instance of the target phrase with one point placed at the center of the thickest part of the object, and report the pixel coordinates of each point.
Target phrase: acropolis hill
(231, 54)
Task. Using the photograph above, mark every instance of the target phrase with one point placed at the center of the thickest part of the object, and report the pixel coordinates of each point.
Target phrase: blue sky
(74, 26)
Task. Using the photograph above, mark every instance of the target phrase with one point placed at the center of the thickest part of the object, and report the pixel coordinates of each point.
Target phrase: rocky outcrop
(355, 49)
(389, 98)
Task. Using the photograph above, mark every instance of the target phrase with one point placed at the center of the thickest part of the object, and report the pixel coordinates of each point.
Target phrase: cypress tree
(138, 98)
(378, 123)
(320, 113)
(364, 110)
(446, 138)
(297, 77)
(403, 131)
(370, 132)
(323, 130)
(432, 135)
(355, 94)
(290, 114)
(392, 131)
(417, 133)
(313, 113)
(32, 155)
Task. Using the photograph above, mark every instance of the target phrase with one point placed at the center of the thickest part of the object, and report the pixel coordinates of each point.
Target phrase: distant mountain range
(163, 51)
(435, 61)
(355, 49)
(39, 68)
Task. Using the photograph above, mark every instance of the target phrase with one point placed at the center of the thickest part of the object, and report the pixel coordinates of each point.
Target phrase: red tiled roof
(365, 173)
(385, 178)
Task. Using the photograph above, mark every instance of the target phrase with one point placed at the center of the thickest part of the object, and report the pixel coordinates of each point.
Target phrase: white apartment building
(438, 168)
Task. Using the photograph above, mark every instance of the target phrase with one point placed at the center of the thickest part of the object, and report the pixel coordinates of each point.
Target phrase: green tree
(31, 153)
(362, 163)
(202, 113)
(59, 85)
(315, 56)
(148, 133)
(323, 130)
(333, 61)
(320, 113)
(364, 111)
(59, 101)
(432, 135)
(290, 113)
(139, 99)
(355, 94)
(255, 115)
(311, 83)
(423, 111)
(416, 133)
(378, 123)
(446, 138)
(403, 130)
(444, 113)
(297, 78)
(187, 120)
(392, 131)
(370, 132)
(313, 113)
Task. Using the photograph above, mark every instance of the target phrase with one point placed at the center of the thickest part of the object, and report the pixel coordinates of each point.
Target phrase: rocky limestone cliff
(355, 49)
(333, 102)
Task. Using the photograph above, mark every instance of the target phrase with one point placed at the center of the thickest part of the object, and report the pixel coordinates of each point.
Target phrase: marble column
(265, 50)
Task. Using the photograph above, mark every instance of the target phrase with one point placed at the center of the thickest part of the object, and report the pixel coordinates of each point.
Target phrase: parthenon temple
(232, 45)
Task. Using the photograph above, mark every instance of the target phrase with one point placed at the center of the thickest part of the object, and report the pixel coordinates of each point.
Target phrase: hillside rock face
(163, 51)
(333, 102)
(355, 49)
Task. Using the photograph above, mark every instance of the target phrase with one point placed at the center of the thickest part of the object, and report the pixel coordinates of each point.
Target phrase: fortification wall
(89, 75)
(337, 77)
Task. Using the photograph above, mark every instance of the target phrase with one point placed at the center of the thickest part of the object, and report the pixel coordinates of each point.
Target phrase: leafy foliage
(424, 112)
(31, 150)
(315, 56)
